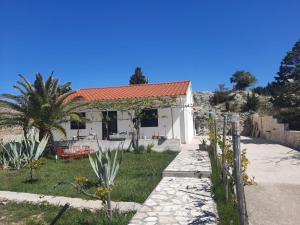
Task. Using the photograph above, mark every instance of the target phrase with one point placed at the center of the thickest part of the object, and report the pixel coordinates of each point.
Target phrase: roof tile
(134, 91)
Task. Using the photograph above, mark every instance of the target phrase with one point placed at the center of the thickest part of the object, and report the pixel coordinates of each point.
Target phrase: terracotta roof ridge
(131, 85)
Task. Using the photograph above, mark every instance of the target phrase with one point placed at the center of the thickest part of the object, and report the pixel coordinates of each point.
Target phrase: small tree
(252, 102)
(138, 77)
(242, 80)
(221, 94)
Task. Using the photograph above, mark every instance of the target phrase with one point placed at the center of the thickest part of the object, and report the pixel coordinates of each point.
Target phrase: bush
(139, 149)
(261, 91)
(290, 116)
(252, 102)
(221, 94)
(150, 148)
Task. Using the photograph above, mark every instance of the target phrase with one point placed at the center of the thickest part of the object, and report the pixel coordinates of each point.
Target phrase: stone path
(60, 201)
(183, 197)
(189, 163)
(275, 200)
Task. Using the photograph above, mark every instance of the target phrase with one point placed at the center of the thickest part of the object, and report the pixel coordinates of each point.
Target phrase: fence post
(224, 163)
(216, 140)
(237, 171)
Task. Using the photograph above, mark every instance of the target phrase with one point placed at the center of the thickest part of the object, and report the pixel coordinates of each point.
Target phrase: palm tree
(43, 105)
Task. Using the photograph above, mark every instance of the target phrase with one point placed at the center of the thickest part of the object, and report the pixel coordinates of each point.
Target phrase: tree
(242, 80)
(289, 66)
(138, 77)
(286, 87)
(42, 105)
(221, 94)
(252, 102)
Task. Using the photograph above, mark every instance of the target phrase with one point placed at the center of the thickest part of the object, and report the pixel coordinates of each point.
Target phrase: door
(109, 124)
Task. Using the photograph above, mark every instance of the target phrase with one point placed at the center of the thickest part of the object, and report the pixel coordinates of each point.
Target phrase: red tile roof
(134, 91)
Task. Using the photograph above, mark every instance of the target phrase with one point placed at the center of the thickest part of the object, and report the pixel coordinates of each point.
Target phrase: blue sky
(99, 43)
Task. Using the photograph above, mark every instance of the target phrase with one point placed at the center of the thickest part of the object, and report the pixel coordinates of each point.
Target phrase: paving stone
(181, 200)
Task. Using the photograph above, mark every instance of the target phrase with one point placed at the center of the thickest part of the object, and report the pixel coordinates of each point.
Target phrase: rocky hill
(203, 106)
(9, 133)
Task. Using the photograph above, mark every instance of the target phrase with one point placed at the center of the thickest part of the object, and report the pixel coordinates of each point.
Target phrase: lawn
(138, 176)
(13, 213)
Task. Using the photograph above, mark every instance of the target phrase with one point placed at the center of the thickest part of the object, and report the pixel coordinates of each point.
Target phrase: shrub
(221, 94)
(150, 148)
(139, 149)
(261, 91)
(252, 102)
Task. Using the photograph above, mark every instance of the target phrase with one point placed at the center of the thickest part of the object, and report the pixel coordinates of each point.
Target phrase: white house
(175, 122)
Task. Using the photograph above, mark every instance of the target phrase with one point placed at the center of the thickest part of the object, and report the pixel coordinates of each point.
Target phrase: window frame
(150, 122)
(74, 125)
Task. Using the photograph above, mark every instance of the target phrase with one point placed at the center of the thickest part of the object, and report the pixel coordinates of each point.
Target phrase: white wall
(125, 125)
(187, 120)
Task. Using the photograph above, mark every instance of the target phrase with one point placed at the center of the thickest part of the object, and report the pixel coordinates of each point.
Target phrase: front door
(109, 124)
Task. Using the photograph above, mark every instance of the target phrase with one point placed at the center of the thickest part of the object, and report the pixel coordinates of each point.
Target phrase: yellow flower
(102, 191)
(81, 179)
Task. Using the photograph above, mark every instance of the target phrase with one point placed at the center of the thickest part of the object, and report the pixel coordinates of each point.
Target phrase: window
(149, 118)
(78, 125)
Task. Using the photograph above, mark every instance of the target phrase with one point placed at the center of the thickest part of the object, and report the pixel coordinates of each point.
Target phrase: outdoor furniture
(118, 136)
(74, 152)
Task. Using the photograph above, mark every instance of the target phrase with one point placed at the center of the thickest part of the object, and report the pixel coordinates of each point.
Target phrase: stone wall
(269, 128)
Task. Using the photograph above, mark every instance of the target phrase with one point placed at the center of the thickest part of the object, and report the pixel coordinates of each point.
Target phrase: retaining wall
(269, 128)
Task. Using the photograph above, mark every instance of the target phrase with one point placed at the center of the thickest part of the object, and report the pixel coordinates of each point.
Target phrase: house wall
(183, 127)
(270, 129)
(94, 126)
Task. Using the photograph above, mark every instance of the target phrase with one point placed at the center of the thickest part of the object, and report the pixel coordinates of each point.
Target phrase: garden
(31, 165)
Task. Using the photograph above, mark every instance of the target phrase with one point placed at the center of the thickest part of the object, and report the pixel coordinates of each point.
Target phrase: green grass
(13, 213)
(138, 176)
(227, 210)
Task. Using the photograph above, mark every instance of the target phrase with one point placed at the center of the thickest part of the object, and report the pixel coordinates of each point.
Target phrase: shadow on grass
(29, 181)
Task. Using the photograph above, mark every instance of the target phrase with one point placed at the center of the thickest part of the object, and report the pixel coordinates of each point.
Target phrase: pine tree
(242, 80)
(138, 77)
(286, 89)
(290, 65)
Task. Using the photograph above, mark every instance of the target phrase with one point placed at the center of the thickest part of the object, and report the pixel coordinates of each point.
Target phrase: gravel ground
(275, 200)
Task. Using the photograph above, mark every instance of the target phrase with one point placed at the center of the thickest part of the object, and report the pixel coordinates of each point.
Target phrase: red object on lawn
(78, 152)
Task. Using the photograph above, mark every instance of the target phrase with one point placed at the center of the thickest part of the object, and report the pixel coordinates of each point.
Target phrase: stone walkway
(275, 200)
(189, 163)
(60, 201)
(183, 197)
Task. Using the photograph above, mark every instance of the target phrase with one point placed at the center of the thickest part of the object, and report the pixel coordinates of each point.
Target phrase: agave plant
(106, 166)
(13, 155)
(16, 155)
(34, 147)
